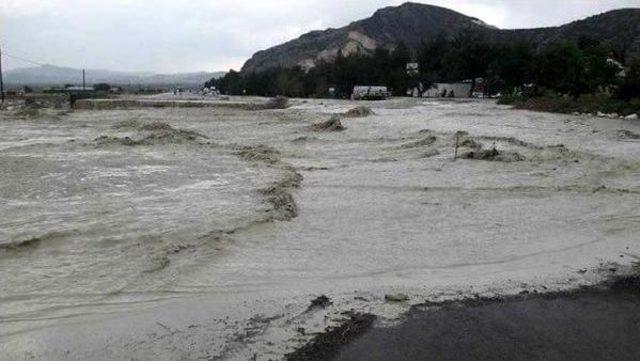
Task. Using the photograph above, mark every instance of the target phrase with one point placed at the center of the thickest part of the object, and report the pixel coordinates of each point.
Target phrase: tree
(630, 88)
(561, 67)
(513, 66)
(102, 87)
(470, 56)
(401, 56)
(430, 59)
(232, 83)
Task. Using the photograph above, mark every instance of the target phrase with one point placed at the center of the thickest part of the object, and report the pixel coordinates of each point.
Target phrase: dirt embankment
(222, 102)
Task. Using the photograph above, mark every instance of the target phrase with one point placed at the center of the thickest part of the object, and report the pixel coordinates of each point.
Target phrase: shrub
(279, 102)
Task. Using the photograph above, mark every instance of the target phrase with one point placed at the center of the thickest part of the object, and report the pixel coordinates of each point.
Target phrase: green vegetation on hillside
(518, 71)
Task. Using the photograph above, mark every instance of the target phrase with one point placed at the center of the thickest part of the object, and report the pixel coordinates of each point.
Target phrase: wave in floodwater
(108, 211)
(110, 220)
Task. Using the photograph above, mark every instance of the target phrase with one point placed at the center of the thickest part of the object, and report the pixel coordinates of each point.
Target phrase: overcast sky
(211, 35)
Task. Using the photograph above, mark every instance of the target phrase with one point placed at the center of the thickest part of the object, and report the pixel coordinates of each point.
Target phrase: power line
(23, 59)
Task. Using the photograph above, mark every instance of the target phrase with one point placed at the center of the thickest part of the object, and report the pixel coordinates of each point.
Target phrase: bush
(587, 103)
(102, 87)
(512, 99)
(278, 102)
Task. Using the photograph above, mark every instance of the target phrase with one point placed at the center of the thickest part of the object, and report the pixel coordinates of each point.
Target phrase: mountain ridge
(412, 23)
(56, 75)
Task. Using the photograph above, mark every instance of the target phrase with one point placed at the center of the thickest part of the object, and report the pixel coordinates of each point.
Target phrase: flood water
(188, 232)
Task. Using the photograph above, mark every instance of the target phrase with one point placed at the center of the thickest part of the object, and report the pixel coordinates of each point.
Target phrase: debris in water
(177, 248)
(430, 153)
(331, 125)
(259, 153)
(320, 302)
(152, 133)
(158, 263)
(396, 297)
(470, 143)
(493, 154)
(279, 102)
(420, 143)
(104, 140)
(284, 207)
(359, 112)
(130, 123)
(511, 140)
(626, 134)
(13, 246)
(155, 126)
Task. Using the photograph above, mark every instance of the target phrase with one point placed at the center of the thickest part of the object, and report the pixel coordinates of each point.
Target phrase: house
(413, 69)
(365, 92)
(614, 63)
(78, 89)
(463, 89)
(448, 90)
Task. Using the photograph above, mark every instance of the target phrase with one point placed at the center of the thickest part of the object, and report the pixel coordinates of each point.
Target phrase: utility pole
(1, 83)
(83, 80)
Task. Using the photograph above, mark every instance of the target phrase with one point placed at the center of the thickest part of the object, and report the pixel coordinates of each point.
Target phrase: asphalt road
(588, 325)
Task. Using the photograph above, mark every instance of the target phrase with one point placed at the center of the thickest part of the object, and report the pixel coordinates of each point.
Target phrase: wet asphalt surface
(582, 326)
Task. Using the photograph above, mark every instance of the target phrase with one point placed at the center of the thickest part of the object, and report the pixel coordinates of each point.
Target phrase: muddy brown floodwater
(205, 232)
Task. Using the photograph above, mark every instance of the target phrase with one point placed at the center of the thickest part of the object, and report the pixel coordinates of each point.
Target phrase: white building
(361, 92)
(614, 63)
(448, 90)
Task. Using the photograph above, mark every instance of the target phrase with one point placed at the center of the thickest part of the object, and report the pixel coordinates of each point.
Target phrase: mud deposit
(206, 232)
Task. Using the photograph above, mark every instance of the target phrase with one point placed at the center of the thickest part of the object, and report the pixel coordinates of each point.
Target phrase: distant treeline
(573, 68)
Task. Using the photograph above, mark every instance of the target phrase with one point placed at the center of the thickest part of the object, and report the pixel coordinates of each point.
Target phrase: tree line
(571, 67)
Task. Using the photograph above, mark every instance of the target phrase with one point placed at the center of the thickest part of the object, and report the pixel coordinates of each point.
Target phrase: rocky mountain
(413, 23)
(55, 75)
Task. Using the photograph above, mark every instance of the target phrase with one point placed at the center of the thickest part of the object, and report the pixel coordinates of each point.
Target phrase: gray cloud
(177, 36)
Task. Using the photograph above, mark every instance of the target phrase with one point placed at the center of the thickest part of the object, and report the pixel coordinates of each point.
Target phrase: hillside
(55, 75)
(414, 23)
